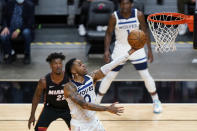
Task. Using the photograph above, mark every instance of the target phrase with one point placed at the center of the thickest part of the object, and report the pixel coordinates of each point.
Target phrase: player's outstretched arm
(100, 73)
(37, 95)
(70, 92)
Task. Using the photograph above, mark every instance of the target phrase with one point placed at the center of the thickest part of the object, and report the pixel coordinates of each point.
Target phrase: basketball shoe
(157, 108)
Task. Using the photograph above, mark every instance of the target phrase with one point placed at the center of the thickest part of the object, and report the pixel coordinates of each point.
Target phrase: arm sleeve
(108, 67)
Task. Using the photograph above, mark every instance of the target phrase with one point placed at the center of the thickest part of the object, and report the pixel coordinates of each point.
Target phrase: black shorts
(50, 114)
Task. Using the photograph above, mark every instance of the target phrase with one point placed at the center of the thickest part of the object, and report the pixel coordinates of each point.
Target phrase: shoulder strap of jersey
(116, 16)
(136, 12)
(87, 77)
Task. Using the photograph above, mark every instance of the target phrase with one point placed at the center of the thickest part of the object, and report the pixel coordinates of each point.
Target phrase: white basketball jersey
(87, 91)
(124, 26)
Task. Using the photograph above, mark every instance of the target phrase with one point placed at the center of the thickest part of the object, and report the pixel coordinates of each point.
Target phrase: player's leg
(106, 82)
(150, 86)
(65, 115)
(139, 60)
(46, 117)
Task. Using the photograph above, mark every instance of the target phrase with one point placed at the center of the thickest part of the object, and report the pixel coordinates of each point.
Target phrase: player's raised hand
(31, 119)
(115, 110)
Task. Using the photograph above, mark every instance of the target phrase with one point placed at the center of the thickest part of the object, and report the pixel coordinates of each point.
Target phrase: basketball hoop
(165, 28)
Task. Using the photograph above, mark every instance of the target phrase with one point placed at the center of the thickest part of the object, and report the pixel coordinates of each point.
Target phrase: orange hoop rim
(171, 22)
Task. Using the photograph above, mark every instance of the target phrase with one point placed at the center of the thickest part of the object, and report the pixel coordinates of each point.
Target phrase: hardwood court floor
(137, 117)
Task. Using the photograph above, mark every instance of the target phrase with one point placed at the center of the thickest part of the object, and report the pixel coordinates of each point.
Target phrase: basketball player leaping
(55, 105)
(81, 97)
(122, 22)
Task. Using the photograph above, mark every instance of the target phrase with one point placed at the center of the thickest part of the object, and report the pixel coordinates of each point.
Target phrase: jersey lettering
(125, 27)
(87, 98)
(60, 98)
(55, 92)
(85, 91)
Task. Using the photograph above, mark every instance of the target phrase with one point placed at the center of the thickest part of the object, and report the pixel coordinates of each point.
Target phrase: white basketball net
(163, 34)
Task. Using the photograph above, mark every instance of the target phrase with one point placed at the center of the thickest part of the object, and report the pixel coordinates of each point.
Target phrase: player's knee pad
(148, 80)
(106, 81)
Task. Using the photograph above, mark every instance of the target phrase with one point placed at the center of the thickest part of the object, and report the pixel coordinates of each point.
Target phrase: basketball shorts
(93, 125)
(138, 58)
(50, 114)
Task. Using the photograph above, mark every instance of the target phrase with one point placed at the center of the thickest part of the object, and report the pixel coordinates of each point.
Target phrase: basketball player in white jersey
(122, 22)
(81, 97)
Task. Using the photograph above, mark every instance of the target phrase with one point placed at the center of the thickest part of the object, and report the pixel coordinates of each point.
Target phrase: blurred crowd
(18, 23)
(16, 92)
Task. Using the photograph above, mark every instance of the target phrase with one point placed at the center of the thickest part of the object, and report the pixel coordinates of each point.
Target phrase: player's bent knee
(148, 80)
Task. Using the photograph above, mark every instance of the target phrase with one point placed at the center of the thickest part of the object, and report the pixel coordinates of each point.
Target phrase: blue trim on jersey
(86, 78)
(118, 68)
(138, 59)
(87, 85)
(76, 83)
(132, 14)
(127, 22)
(141, 66)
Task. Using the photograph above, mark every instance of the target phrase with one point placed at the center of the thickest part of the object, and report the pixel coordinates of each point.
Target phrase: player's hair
(55, 55)
(68, 67)
(129, 0)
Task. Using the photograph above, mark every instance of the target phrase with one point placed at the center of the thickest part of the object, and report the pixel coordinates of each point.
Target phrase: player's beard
(58, 72)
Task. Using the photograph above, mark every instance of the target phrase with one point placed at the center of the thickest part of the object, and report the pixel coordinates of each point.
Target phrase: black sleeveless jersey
(54, 95)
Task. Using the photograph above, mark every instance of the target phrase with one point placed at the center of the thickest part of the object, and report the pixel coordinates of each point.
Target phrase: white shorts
(137, 57)
(93, 125)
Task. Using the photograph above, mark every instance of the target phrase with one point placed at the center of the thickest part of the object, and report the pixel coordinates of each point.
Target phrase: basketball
(137, 39)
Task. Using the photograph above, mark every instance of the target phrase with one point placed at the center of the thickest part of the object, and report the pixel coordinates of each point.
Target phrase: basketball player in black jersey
(55, 105)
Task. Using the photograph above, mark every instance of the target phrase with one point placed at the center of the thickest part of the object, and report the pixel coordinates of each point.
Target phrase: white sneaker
(82, 30)
(157, 108)
(182, 29)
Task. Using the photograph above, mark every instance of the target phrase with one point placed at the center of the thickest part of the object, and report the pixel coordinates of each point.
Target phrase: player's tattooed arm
(36, 99)
(70, 92)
